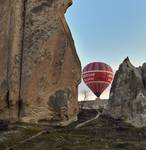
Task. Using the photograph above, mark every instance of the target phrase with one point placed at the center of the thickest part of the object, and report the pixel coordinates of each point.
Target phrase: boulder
(128, 94)
(40, 69)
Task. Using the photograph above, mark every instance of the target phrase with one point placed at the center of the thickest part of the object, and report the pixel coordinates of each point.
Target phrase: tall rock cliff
(128, 94)
(11, 35)
(40, 69)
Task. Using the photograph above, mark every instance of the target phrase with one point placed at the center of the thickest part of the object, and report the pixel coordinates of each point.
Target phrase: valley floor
(104, 133)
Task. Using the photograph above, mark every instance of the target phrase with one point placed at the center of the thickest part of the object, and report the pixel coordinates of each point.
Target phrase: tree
(85, 94)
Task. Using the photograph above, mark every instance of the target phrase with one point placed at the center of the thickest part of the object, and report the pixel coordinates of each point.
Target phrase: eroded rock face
(11, 24)
(144, 74)
(41, 69)
(128, 94)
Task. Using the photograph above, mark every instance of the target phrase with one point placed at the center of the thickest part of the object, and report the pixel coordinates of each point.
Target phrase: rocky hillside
(104, 133)
(40, 69)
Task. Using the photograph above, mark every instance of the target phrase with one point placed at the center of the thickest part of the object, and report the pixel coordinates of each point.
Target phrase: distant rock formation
(128, 94)
(40, 69)
(93, 104)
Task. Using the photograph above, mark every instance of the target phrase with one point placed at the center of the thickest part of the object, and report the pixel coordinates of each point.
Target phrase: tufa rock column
(41, 70)
(128, 94)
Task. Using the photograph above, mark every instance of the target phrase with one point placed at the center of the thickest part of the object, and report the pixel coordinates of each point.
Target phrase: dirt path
(86, 122)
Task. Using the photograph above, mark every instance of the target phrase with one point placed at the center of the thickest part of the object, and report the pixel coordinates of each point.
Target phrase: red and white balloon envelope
(97, 76)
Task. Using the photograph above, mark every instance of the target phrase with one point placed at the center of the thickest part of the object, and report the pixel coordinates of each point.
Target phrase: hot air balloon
(97, 76)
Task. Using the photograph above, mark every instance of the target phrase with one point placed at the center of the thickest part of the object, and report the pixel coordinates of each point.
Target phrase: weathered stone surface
(10, 49)
(144, 74)
(40, 66)
(94, 104)
(128, 94)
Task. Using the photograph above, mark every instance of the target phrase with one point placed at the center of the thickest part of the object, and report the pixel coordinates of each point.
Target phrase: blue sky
(109, 31)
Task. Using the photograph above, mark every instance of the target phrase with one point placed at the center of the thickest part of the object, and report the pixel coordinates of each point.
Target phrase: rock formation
(40, 69)
(93, 104)
(128, 94)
